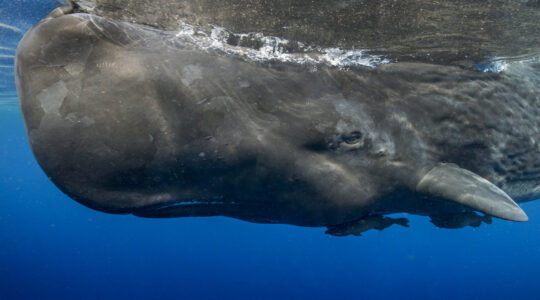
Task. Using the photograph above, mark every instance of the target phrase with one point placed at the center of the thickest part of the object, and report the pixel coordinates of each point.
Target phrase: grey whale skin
(126, 118)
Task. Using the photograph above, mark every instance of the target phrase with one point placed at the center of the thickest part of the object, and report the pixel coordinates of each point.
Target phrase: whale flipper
(451, 182)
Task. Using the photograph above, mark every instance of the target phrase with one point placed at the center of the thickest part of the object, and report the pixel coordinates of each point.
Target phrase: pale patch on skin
(74, 69)
(123, 66)
(190, 74)
(87, 121)
(51, 98)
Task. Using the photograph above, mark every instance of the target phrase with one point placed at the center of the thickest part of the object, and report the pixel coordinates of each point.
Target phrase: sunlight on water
(12, 28)
(8, 103)
(9, 37)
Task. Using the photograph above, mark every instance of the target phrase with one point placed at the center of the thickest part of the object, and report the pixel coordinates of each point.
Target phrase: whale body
(126, 118)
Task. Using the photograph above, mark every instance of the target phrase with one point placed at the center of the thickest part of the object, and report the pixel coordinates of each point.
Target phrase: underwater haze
(52, 247)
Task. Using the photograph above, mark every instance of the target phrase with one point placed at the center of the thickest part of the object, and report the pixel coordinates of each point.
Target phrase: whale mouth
(188, 203)
(205, 208)
(186, 208)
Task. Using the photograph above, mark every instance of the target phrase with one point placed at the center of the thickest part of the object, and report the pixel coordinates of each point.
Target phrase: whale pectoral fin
(451, 182)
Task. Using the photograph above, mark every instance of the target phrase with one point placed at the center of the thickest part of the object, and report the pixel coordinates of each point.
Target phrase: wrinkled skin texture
(446, 32)
(127, 119)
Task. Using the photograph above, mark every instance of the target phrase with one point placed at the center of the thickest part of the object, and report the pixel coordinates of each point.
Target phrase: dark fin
(402, 221)
(388, 221)
(460, 220)
(448, 181)
(370, 222)
(335, 231)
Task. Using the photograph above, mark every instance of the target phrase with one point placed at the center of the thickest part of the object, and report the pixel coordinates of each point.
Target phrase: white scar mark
(106, 65)
(13, 28)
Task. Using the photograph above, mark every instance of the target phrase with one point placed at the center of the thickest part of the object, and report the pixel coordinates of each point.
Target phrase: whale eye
(343, 142)
(352, 137)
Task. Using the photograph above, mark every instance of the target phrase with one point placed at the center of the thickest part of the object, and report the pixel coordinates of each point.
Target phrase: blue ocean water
(54, 248)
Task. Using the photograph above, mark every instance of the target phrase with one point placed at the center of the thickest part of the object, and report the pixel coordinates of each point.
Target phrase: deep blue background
(53, 248)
